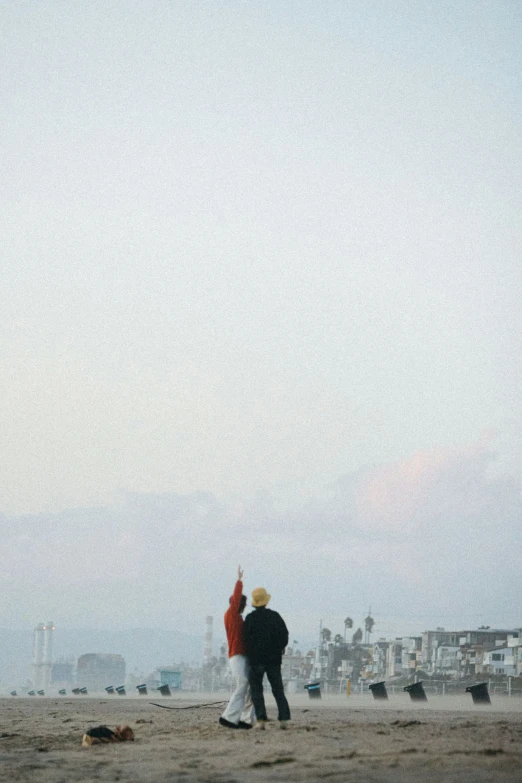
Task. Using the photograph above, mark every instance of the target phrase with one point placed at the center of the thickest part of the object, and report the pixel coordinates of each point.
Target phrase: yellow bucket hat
(260, 597)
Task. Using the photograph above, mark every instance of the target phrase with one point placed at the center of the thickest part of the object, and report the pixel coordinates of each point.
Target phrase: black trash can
(120, 690)
(416, 691)
(379, 690)
(479, 693)
(164, 690)
(142, 689)
(314, 690)
(110, 690)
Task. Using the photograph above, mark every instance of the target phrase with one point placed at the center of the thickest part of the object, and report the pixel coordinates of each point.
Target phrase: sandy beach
(355, 738)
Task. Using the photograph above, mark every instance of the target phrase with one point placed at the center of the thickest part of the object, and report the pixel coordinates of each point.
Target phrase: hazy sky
(260, 299)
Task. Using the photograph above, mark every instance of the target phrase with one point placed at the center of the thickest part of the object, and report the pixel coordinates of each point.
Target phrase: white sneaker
(283, 724)
(260, 725)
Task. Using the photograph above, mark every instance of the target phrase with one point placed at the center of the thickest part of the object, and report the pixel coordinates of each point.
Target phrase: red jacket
(234, 623)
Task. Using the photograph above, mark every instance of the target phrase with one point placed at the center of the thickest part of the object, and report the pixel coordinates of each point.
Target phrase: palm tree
(357, 637)
(369, 622)
(326, 635)
(348, 623)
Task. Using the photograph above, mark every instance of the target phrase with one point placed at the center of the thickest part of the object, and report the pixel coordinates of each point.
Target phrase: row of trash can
(479, 692)
(110, 690)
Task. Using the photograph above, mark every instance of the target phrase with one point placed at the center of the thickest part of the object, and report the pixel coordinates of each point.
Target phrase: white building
(447, 659)
(394, 658)
(502, 660)
(411, 654)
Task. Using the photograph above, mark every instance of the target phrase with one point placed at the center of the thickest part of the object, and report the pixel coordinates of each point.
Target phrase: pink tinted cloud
(392, 495)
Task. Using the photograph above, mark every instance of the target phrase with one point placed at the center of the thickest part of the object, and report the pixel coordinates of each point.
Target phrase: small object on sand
(83, 691)
(110, 690)
(379, 690)
(102, 734)
(416, 691)
(164, 690)
(62, 692)
(314, 690)
(142, 689)
(120, 690)
(76, 691)
(41, 693)
(32, 693)
(479, 693)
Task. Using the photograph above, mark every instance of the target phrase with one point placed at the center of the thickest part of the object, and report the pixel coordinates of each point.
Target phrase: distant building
(501, 660)
(393, 658)
(96, 671)
(480, 638)
(411, 654)
(296, 669)
(62, 673)
(349, 660)
(447, 659)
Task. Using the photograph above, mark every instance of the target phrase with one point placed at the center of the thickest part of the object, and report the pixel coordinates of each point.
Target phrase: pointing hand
(240, 573)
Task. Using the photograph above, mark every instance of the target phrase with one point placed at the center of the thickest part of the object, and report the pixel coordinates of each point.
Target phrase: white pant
(240, 705)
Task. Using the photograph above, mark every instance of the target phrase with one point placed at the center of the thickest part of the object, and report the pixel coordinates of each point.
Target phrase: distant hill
(142, 648)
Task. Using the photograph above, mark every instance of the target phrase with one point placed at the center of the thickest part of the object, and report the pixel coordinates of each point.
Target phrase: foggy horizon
(342, 552)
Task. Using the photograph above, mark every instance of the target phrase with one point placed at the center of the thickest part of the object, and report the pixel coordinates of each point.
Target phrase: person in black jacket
(266, 636)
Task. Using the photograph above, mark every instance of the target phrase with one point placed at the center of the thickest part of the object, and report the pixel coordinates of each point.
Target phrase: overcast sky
(260, 301)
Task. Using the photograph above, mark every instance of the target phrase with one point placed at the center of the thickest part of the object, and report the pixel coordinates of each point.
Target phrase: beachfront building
(436, 647)
(296, 668)
(447, 660)
(411, 654)
(96, 671)
(394, 658)
(62, 674)
(500, 660)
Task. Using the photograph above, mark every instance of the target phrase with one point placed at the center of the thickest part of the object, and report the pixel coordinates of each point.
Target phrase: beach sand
(336, 739)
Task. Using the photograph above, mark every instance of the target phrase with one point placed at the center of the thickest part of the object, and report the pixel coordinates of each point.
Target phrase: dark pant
(255, 678)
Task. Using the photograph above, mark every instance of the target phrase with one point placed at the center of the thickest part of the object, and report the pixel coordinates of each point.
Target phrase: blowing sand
(352, 739)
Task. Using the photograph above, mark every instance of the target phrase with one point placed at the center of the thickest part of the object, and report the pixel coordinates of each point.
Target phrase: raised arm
(238, 592)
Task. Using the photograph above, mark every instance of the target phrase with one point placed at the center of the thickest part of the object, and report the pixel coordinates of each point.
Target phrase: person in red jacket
(239, 712)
